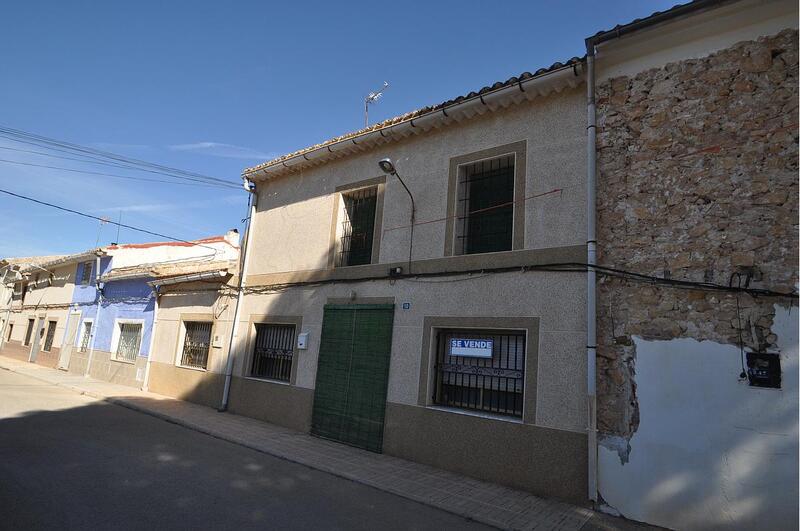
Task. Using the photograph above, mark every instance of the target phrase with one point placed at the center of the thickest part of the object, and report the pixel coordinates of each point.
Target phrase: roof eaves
(417, 114)
(653, 19)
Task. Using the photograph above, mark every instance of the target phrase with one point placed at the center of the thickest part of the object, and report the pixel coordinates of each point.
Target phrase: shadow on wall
(710, 451)
(102, 466)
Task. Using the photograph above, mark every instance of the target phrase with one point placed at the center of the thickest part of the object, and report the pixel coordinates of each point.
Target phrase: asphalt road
(69, 461)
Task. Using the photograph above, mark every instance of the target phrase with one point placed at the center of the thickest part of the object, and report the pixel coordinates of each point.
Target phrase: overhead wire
(17, 135)
(104, 220)
(113, 175)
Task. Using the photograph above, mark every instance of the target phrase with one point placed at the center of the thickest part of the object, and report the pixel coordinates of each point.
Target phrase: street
(68, 461)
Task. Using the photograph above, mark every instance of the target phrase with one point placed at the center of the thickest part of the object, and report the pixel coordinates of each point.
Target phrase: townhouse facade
(602, 312)
(428, 287)
(92, 313)
(40, 305)
(116, 310)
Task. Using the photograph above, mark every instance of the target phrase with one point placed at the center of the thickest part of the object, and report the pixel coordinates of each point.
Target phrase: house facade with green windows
(450, 337)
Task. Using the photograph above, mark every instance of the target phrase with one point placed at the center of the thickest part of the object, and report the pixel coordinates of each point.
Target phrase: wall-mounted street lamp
(387, 166)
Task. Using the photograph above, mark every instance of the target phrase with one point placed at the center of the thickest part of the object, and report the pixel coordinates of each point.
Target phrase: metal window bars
(196, 344)
(87, 333)
(485, 210)
(29, 332)
(86, 273)
(358, 227)
(493, 385)
(130, 339)
(273, 352)
(51, 333)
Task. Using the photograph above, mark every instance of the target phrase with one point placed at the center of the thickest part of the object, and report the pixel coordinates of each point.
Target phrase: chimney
(232, 237)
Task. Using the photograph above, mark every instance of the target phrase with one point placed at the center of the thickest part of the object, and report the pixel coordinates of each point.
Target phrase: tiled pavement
(484, 502)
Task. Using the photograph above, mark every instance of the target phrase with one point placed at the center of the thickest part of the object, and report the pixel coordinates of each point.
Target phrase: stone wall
(697, 165)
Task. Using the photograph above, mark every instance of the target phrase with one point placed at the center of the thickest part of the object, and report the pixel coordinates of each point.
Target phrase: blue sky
(213, 87)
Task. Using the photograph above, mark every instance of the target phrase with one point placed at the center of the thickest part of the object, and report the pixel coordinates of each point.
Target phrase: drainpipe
(591, 300)
(250, 187)
(96, 321)
(152, 341)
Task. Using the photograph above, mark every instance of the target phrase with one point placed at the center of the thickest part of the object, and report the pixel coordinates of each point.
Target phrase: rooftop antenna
(372, 97)
(103, 221)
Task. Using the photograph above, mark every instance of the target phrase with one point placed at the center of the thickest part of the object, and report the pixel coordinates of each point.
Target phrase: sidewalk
(484, 502)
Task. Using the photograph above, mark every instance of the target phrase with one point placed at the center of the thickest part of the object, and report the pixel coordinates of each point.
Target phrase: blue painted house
(116, 309)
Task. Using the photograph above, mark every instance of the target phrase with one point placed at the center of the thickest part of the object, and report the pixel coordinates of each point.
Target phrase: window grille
(86, 273)
(486, 206)
(196, 344)
(130, 338)
(493, 385)
(51, 333)
(87, 333)
(273, 353)
(358, 227)
(29, 332)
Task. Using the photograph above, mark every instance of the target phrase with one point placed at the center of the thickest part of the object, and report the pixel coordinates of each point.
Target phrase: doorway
(352, 374)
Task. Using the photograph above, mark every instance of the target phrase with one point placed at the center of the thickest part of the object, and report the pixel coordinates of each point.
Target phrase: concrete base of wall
(18, 351)
(105, 367)
(539, 460)
(285, 405)
(200, 387)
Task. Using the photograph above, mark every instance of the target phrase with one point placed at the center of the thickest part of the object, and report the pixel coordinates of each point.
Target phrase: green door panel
(352, 374)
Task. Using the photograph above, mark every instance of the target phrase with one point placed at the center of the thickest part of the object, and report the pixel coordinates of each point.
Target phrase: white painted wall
(138, 254)
(710, 452)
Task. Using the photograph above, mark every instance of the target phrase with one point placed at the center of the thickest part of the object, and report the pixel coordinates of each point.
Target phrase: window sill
(479, 414)
(267, 380)
(126, 362)
(199, 369)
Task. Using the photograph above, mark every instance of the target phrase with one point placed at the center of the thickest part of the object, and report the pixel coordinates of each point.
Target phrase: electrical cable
(59, 145)
(131, 227)
(738, 276)
(129, 177)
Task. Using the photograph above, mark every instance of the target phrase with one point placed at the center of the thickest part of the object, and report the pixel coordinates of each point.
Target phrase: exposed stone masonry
(697, 180)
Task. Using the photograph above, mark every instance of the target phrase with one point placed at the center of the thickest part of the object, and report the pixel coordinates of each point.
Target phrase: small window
(86, 273)
(10, 330)
(273, 353)
(485, 208)
(29, 332)
(481, 370)
(357, 227)
(130, 339)
(87, 333)
(51, 334)
(196, 343)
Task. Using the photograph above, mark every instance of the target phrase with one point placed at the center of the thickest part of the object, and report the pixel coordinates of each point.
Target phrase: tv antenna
(372, 97)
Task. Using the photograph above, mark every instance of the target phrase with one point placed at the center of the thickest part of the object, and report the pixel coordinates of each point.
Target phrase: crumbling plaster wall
(697, 180)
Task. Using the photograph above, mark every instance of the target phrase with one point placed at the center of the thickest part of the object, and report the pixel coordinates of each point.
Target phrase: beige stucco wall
(557, 299)
(190, 302)
(293, 222)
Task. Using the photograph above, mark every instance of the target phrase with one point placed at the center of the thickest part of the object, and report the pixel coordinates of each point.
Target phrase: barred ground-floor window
(29, 332)
(481, 370)
(273, 352)
(85, 335)
(129, 342)
(196, 344)
(51, 334)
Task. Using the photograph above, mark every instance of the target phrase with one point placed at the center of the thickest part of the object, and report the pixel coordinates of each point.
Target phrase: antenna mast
(372, 97)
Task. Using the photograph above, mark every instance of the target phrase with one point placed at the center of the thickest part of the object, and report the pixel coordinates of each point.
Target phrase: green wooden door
(352, 374)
